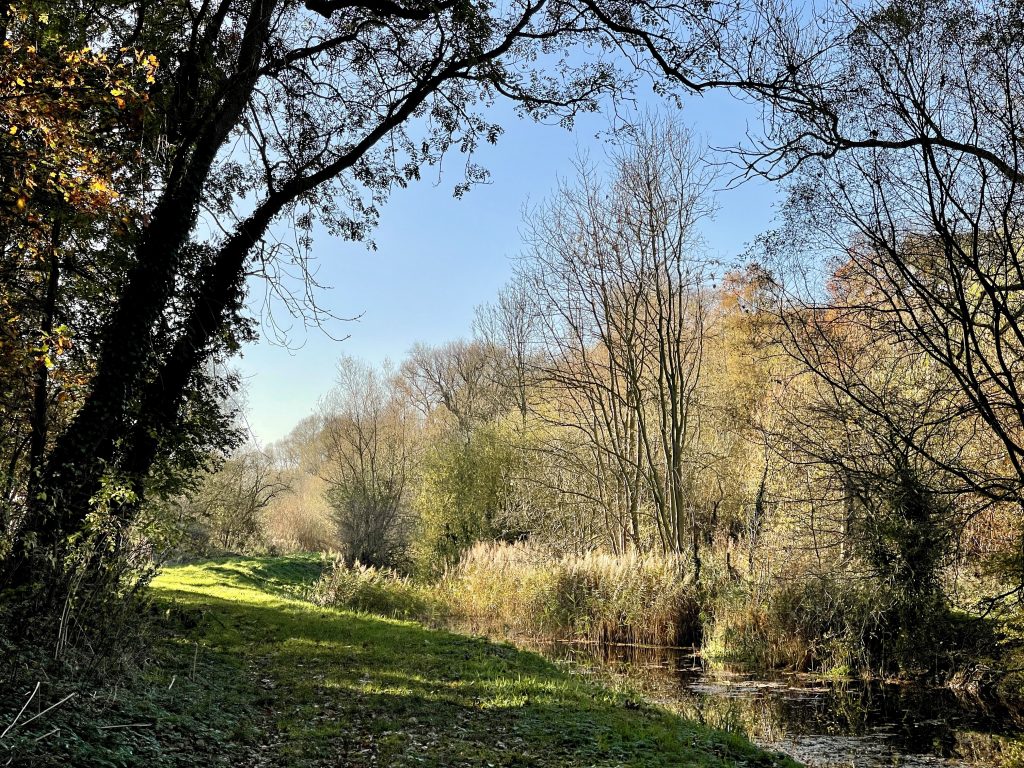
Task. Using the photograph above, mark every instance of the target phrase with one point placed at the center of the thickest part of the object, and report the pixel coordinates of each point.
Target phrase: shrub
(826, 624)
(380, 591)
(464, 495)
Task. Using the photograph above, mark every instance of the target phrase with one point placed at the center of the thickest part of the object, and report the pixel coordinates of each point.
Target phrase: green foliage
(905, 538)
(464, 492)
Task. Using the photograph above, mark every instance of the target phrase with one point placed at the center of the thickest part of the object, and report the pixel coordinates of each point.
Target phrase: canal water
(823, 723)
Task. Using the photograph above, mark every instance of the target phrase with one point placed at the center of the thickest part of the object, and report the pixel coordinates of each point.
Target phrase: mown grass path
(266, 678)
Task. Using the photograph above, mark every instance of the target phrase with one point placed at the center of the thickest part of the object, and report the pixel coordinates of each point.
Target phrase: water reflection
(822, 723)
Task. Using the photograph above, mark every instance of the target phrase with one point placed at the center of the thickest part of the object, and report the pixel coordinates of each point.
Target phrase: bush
(839, 624)
(464, 494)
(380, 591)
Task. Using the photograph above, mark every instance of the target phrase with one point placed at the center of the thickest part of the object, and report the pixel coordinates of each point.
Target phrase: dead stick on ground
(16, 719)
(52, 706)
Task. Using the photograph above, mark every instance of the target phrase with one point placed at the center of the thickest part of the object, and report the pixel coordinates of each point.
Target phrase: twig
(15, 721)
(173, 678)
(52, 706)
(48, 733)
(126, 725)
(62, 628)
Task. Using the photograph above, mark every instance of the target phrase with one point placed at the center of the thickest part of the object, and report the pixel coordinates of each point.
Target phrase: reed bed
(805, 622)
(819, 624)
(525, 590)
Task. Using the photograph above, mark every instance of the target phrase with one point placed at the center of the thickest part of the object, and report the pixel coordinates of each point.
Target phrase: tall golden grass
(525, 590)
(299, 520)
(803, 622)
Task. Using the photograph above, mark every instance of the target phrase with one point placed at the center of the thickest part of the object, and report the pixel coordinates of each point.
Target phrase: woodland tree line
(842, 403)
(773, 423)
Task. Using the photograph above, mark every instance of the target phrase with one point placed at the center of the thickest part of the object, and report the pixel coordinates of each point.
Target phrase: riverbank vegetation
(242, 670)
(828, 625)
(639, 443)
(809, 455)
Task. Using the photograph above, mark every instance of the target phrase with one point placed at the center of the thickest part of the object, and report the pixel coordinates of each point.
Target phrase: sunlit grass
(242, 670)
(345, 688)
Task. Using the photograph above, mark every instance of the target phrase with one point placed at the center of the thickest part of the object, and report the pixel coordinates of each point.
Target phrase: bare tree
(459, 377)
(366, 445)
(511, 328)
(230, 501)
(896, 125)
(619, 279)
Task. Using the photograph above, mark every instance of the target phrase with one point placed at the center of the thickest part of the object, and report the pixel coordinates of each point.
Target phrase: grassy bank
(246, 672)
(830, 624)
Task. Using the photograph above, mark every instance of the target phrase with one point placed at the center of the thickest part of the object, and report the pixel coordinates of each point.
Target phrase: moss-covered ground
(243, 672)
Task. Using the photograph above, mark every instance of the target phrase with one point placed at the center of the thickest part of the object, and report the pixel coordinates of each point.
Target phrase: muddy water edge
(823, 723)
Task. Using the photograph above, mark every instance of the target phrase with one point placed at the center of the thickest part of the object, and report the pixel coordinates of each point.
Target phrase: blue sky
(437, 257)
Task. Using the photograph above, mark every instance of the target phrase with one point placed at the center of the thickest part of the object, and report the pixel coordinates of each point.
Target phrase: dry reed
(525, 590)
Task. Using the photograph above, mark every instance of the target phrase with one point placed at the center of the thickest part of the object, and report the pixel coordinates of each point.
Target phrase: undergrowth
(380, 591)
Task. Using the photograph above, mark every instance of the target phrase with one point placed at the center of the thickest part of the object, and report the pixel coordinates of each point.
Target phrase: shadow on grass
(336, 688)
(283, 576)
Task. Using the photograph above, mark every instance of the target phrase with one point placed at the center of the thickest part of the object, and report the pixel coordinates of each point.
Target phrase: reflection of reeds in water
(760, 718)
(822, 722)
(674, 677)
(523, 590)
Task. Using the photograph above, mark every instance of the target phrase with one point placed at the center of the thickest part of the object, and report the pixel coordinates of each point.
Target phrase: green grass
(266, 678)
